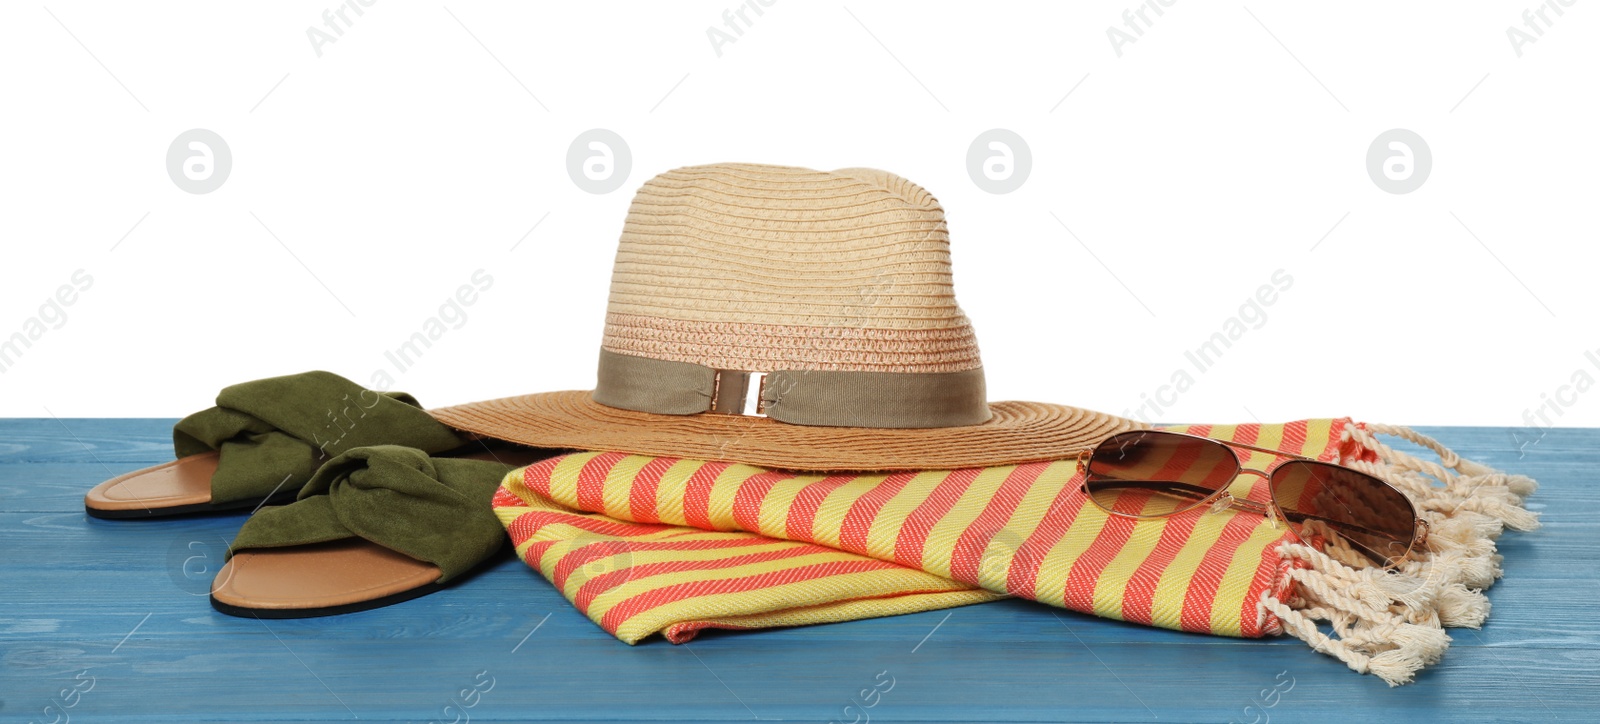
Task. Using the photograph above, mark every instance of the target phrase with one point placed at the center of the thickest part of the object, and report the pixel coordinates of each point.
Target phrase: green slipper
(375, 526)
(262, 442)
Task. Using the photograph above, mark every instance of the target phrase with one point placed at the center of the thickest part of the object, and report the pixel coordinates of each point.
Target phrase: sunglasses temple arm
(1169, 486)
(1342, 524)
(1265, 450)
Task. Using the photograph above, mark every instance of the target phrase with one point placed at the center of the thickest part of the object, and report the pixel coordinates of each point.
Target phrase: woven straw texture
(764, 268)
(1019, 431)
(750, 267)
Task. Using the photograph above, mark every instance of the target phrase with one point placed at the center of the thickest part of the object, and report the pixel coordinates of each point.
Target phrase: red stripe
(1225, 471)
(534, 520)
(1023, 577)
(536, 551)
(585, 555)
(975, 539)
(1178, 466)
(1203, 585)
(536, 477)
(1250, 434)
(697, 495)
(642, 496)
(747, 500)
(589, 551)
(682, 633)
(600, 549)
(523, 527)
(1138, 596)
(1266, 574)
(1294, 437)
(1078, 592)
(504, 498)
(858, 521)
(592, 481)
(803, 511)
(743, 541)
(1310, 494)
(611, 579)
(694, 589)
(914, 532)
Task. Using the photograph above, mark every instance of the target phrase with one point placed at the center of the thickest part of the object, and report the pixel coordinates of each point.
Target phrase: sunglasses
(1156, 474)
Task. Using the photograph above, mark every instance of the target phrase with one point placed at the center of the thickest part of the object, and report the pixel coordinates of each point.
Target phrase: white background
(1222, 145)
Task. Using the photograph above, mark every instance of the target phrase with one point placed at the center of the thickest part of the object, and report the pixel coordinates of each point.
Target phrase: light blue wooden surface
(122, 604)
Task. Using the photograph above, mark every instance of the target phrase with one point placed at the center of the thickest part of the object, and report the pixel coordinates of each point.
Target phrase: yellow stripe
(719, 510)
(564, 478)
(568, 536)
(760, 544)
(774, 515)
(941, 544)
(891, 582)
(615, 596)
(1318, 438)
(1223, 432)
(995, 563)
(886, 526)
(1166, 606)
(617, 485)
(1226, 608)
(829, 521)
(670, 491)
(513, 482)
(630, 559)
(508, 514)
(1271, 436)
(1057, 566)
(1111, 587)
(832, 612)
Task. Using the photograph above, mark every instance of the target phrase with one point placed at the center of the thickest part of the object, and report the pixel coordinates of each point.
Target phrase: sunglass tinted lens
(1153, 473)
(1376, 519)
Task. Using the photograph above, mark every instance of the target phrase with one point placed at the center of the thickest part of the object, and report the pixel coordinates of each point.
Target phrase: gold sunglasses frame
(1222, 498)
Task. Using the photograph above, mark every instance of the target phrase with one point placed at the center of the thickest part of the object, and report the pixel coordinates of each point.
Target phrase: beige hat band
(798, 397)
(746, 346)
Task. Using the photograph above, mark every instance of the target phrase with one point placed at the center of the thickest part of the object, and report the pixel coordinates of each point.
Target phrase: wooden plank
(123, 602)
(92, 440)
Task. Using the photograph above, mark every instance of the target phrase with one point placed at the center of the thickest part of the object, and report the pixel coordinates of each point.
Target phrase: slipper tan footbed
(337, 577)
(262, 441)
(181, 485)
(320, 579)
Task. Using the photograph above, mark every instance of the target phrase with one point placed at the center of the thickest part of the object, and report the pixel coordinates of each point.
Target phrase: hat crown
(749, 267)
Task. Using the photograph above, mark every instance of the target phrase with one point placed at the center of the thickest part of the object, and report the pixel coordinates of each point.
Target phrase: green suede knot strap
(436, 510)
(274, 432)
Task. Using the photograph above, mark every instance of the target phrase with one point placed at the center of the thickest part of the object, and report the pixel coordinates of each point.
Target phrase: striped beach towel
(643, 545)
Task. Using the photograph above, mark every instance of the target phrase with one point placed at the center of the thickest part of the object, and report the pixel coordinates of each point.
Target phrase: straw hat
(788, 318)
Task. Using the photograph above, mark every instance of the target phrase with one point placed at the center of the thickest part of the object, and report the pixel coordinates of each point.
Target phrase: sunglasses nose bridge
(1264, 474)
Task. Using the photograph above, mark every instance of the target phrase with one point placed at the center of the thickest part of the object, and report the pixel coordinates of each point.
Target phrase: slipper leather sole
(180, 487)
(322, 579)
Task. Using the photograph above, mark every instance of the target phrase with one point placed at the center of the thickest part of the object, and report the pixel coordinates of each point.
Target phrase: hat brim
(1017, 432)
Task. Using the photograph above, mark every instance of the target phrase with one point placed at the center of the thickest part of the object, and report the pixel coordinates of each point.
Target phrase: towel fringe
(1391, 623)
